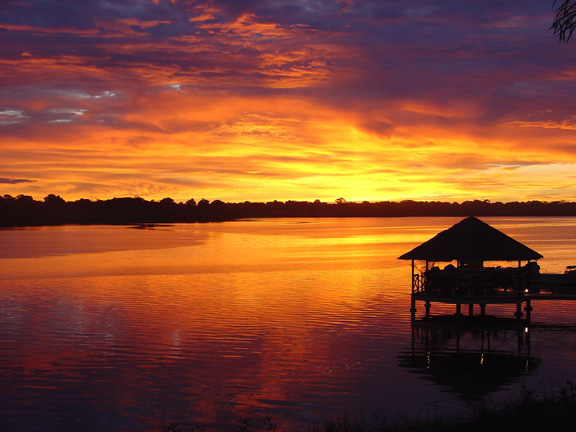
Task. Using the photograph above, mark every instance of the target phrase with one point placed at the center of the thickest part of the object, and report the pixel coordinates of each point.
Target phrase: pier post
(413, 308)
(528, 309)
(518, 310)
(471, 309)
(427, 305)
(482, 309)
(458, 308)
(414, 288)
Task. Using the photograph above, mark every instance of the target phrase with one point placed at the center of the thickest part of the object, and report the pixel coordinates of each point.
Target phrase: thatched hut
(470, 244)
(471, 240)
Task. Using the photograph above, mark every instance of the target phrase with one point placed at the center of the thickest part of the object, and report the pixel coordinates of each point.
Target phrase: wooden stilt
(427, 305)
(482, 309)
(528, 309)
(414, 288)
(518, 310)
(471, 309)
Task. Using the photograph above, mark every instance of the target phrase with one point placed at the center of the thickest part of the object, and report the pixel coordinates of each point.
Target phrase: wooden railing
(418, 283)
(470, 284)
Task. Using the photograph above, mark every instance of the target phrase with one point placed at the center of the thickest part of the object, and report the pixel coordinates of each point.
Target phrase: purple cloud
(15, 181)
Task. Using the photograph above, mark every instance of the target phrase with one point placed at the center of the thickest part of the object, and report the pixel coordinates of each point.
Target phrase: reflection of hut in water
(464, 279)
(469, 357)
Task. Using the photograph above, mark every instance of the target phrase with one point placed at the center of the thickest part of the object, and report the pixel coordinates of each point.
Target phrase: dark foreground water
(112, 328)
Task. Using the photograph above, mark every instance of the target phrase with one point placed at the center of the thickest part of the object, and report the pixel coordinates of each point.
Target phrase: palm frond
(564, 22)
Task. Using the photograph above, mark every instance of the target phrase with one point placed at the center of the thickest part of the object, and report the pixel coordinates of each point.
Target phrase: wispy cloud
(14, 181)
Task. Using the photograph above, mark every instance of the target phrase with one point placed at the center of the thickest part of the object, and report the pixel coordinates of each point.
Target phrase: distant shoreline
(22, 211)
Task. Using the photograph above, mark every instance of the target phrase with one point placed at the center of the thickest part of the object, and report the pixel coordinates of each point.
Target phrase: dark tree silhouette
(203, 203)
(54, 200)
(23, 210)
(565, 20)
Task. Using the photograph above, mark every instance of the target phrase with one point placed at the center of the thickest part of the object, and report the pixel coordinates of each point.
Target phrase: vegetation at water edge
(23, 210)
(532, 411)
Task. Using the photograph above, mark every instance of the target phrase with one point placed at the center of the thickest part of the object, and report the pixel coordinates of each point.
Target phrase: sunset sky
(287, 99)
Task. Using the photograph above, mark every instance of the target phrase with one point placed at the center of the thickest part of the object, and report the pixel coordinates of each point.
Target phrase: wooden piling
(518, 310)
(528, 309)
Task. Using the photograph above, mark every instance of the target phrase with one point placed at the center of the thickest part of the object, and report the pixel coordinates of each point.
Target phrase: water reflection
(114, 328)
(470, 356)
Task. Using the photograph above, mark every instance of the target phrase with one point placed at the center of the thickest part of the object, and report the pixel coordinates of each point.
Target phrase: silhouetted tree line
(23, 210)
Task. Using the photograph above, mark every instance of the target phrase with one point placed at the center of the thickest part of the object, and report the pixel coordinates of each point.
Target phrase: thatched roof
(471, 240)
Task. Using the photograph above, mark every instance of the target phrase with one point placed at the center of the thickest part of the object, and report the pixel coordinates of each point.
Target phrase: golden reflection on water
(205, 322)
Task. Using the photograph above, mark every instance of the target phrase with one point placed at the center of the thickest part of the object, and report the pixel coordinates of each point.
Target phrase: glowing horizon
(290, 100)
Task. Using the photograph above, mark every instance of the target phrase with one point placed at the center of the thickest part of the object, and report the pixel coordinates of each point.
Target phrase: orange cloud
(184, 144)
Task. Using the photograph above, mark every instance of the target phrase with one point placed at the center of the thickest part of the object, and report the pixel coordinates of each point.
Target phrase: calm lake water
(112, 328)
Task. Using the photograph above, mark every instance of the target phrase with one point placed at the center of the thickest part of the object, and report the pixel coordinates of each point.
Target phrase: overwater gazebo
(463, 250)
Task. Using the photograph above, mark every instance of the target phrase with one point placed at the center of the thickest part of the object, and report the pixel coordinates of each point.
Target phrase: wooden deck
(525, 299)
(472, 299)
(490, 287)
